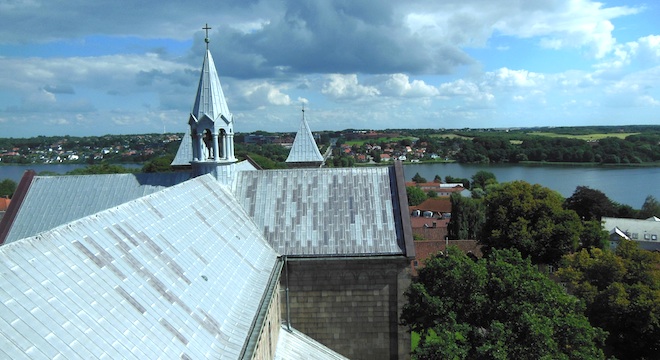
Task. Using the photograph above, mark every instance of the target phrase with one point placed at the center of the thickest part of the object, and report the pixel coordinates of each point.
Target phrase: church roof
(325, 212)
(292, 344)
(147, 279)
(51, 201)
(210, 99)
(304, 147)
(184, 155)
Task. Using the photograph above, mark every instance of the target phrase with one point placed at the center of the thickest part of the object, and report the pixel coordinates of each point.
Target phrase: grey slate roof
(304, 147)
(147, 279)
(210, 99)
(323, 212)
(55, 200)
(294, 345)
(184, 155)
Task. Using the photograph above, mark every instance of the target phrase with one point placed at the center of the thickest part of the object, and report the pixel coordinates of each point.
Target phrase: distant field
(451, 136)
(585, 137)
(376, 141)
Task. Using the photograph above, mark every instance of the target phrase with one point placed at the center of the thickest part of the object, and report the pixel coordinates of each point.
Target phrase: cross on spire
(206, 39)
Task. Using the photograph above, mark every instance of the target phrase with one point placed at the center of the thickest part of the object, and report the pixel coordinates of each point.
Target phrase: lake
(625, 185)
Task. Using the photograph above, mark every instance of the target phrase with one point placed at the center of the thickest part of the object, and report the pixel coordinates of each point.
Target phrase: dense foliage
(622, 293)
(7, 188)
(415, 195)
(530, 218)
(650, 208)
(634, 149)
(500, 307)
(103, 168)
(590, 204)
(468, 216)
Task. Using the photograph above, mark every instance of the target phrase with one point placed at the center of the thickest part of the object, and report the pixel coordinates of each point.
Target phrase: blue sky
(90, 68)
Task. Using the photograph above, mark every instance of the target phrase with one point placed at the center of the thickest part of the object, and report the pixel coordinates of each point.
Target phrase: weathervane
(206, 39)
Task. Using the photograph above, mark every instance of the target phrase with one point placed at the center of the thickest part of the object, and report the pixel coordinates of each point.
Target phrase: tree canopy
(590, 204)
(467, 217)
(530, 218)
(419, 178)
(7, 188)
(622, 294)
(415, 195)
(483, 178)
(103, 168)
(500, 307)
(651, 207)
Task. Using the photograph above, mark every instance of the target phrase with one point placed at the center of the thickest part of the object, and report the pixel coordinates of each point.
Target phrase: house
(430, 218)
(644, 232)
(4, 205)
(439, 188)
(219, 259)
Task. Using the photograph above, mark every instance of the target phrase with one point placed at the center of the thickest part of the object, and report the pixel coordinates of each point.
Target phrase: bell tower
(211, 124)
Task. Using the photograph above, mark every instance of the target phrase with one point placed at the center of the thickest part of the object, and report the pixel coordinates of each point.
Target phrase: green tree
(159, 165)
(7, 188)
(103, 168)
(483, 178)
(500, 307)
(415, 195)
(650, 208)
(418, 178)
(590, 204)
(622, 294)
(530, 218)
(453, 180)
(437, 179)
(468, 216)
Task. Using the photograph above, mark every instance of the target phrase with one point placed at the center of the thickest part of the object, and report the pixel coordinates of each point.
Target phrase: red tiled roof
(421, 222)
(437, 205)
(4, 204)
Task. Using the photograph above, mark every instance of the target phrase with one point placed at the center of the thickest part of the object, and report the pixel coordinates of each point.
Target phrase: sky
(80, 67)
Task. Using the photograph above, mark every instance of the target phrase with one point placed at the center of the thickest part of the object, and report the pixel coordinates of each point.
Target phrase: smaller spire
(206, 39)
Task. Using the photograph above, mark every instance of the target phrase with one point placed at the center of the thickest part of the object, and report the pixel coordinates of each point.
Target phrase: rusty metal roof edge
(402, 200)
(15, 205)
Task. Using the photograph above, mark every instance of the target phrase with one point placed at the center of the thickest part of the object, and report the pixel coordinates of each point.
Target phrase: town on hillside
(605, 144)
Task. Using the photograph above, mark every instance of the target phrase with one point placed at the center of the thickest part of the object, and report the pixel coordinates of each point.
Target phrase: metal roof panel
(323, 212)
(148, 278)
(50, 200)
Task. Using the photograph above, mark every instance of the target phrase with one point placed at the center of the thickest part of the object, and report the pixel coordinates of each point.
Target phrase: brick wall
(350, 305)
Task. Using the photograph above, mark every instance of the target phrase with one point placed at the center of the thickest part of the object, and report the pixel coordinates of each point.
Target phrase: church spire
(304, 152)
(211, 123)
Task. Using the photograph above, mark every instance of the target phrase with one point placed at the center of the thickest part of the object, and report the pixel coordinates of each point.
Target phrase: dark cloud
(331, 37)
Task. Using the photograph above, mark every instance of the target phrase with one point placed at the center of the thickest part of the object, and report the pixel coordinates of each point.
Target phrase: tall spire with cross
(211, 123)
(206, 39)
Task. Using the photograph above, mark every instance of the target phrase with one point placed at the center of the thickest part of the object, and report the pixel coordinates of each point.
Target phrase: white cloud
(261, 94)
(647, 100)
(504, 77)
(340, 86)
(400, 85)
(466, 91)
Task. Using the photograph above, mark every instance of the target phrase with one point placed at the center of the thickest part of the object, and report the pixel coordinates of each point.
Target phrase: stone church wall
(350, 305)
